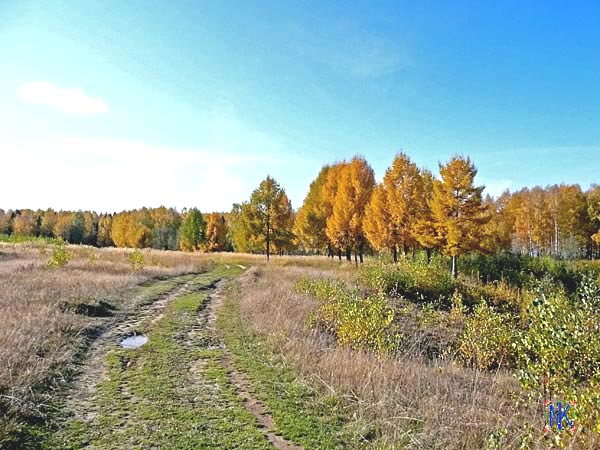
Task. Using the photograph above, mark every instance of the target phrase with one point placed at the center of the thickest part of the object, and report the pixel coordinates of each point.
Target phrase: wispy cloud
(352, 50)
(69, 100)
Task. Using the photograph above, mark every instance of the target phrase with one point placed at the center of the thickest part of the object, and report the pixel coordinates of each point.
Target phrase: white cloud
(108, 174)
(68, 100)
(112, 175)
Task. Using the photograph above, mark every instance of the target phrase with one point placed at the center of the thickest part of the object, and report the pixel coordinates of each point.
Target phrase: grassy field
(302, 352)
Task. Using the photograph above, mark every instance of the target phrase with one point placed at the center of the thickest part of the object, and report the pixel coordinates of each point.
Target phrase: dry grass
(40, 333)
(414, 402)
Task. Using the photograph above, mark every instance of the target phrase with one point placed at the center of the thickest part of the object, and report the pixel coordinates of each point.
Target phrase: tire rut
(239, 380)
(79, 400)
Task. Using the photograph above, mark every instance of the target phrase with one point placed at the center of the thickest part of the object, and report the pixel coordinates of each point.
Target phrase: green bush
(60, 256)
(136, 259)
(523, 270)
(486, 341)
(559, 345)
(361, 322)
(13, 239)
(416, 280)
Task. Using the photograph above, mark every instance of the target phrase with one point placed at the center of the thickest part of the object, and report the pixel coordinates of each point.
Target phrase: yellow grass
(412, 401)
(38, 332)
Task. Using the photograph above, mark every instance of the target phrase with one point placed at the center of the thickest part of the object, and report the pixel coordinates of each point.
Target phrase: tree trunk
(428, 251)
(454, 266)
(329, 251)
(340, 254)
(348, 254)
(356, 259)
(360, 257)
(395, 253)
(268, 244)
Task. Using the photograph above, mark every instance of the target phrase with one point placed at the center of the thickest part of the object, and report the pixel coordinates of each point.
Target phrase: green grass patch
(302, 413)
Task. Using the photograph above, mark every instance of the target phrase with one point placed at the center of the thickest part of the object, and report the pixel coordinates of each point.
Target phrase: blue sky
(112, 105)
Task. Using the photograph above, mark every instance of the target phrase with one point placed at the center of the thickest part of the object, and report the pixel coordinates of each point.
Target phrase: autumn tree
(328, 197)
(311, 219)
(25, 223)
(265, 221)
(378, 224)
(132, 229)
(62, 227)
(282, 237)
(593, 208)
(458, 209)
(573, 230)
(6, 219)
(497, 233)
(423, 228)
(240, 231)
(90, 227)
(192, 233)
(48, 223)
(216, 233)
(104, 237)
(345, 225)
(165, 223)
(396, 206)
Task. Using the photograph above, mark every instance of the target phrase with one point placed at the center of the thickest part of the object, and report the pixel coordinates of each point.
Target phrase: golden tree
(457, 208)
(593, 208)
(396, 206)
(216, 232)
(423, 228)
(48, 222)
(311, 219)
(104, 238)
(345, 225)
(497, 233)
(25, 223)
(378, 223)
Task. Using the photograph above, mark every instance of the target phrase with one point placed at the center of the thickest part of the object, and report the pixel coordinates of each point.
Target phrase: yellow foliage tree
(423, 229)
(345, 226)
(216, 232)
(497, 233)
(378, 223)
(311, 219)
(458, 209)
(25, 223)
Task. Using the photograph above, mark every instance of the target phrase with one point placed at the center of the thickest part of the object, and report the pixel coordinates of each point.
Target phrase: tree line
(347, 213)
(161, 228)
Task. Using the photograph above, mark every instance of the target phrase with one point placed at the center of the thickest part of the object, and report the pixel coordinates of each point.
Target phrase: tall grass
(40, 330)
(412, 402)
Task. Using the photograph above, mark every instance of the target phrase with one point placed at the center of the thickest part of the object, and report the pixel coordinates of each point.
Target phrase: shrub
(416, 280)
(60, 256)
(559, 346)
(457, 309)
(487, 339)
(136, 259)
(361, 322)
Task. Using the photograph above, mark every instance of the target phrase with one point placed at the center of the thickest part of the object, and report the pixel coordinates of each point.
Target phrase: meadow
(299, 352)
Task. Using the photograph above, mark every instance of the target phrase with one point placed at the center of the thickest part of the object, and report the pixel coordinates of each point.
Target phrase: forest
(346, 212)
